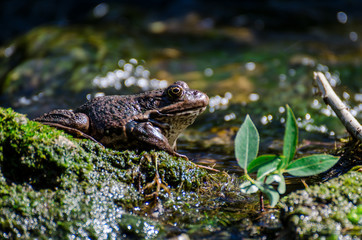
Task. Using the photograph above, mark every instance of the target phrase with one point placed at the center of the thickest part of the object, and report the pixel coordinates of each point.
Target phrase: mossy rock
(55, 186)
(331, 210)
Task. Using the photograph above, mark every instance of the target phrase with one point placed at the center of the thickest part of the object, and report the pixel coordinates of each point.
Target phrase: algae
(55, 186)
(325, 210)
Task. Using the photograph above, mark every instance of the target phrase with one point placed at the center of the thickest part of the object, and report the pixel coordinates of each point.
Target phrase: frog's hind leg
(76, 124)
(72, 131)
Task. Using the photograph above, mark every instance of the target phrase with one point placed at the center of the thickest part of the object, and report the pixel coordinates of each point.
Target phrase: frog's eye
(175, 91)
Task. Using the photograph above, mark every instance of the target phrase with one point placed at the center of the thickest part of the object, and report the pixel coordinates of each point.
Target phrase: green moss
(52, 185)
(325, 210)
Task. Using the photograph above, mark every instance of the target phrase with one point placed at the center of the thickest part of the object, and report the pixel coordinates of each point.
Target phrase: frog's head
(175, 107)
(179, 100)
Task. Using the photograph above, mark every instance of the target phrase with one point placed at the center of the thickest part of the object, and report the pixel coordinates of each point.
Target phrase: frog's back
(109, 112)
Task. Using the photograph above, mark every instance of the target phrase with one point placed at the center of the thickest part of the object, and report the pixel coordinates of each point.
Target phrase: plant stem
(261, 201)
(341, 110)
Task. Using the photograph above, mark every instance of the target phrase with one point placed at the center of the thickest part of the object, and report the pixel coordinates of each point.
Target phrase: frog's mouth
(194, 104)
(185, 111)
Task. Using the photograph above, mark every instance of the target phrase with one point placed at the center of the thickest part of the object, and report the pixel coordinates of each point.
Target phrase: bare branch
(342, 112)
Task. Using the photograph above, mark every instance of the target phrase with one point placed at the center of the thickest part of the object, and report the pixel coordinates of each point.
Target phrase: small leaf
(278, 178)
(268, 168)
(248, 188)
(290, 136)
(246, 143)
(260, 161)
(282, 185)
(270, 192)
(311, 165)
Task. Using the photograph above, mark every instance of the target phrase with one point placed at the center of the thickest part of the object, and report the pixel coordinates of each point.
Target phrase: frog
(145, 121)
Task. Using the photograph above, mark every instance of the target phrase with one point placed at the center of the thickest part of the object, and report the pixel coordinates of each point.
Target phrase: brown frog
(150, 120)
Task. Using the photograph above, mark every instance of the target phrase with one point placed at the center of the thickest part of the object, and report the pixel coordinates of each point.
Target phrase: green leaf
(246, 143)
(248, 188)
(278, 178)
(311, 165)
(268, 168)
(270, 192)
(290, 137)
(260, 161)
(282, 186)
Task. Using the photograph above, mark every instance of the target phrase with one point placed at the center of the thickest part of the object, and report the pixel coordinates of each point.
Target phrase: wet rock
(54, 186)
(327, 210)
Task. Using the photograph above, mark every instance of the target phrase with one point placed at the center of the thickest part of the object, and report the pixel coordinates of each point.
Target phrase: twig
(341, 110)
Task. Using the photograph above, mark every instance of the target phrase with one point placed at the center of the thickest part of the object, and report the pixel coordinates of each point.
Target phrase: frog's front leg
(151, 136)
(76, 124)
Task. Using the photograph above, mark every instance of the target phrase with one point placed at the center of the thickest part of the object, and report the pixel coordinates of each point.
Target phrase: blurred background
(249, 56)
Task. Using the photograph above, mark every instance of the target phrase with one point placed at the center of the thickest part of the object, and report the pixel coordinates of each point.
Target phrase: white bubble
(9, 51)
(281, 109)
(250, 66)
(308, 116)
(24, 101)
(208, 72)
(322, 68)
(346, 95)
(229, 117)
(228, 95)
(326, 112)
(358, 97)
(146, 74)
(99, 94)
(316, 104)
(353, 36)
(254, 97)
(163, 84)
(342, 17)
(101, 10)
(292, 72)
(121, 63)
(119, 73)
(154, 83)
(130, 81)
(224, 101)
(282, 77)
(306, 61)
(117, 85)
(128, 67)
(323, 129)
(133, 61)
(353, 112)
(111, 76)
(264, 120)
(142, 83)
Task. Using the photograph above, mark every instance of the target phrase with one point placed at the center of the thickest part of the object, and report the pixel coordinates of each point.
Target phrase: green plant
(270, 168)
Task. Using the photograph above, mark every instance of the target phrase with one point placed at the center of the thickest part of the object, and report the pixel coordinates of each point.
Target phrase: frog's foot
(200, 166)
(158, 183)
(176, 154)
(207, 168)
